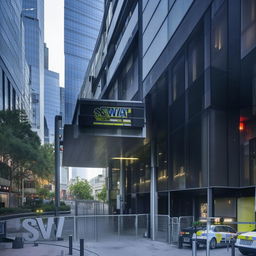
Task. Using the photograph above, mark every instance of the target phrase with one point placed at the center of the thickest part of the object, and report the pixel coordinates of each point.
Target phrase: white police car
(218, 235)
(246, 243)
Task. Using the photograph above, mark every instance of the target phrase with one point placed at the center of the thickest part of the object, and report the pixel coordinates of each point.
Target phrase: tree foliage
(102, 196)
(21, 154)
(81, 189)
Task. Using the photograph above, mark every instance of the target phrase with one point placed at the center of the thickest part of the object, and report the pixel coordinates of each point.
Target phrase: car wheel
(213, 243)
(244, 251)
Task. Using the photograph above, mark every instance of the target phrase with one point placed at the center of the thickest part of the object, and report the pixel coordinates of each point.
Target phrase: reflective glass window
(196, 56)
(178, 78)
(248, 26)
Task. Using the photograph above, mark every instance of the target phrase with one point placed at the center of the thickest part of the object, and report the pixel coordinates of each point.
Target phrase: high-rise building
(51, 100)
(82, 21)
(193, 65)
(33, 20)
(14, 74)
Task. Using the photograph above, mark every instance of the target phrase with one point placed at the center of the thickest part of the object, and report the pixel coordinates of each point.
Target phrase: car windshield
(201, 228)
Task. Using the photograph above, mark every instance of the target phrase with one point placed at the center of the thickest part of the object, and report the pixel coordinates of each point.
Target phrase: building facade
(192, 62)
(52, 102)
(97, 184)
(15, 88)
(82, 21)
(33, 20)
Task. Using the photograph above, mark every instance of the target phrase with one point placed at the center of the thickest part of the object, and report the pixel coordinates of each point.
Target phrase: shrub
(7, 211)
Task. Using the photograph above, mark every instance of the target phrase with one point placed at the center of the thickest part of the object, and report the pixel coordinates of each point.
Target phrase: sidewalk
(140, 247)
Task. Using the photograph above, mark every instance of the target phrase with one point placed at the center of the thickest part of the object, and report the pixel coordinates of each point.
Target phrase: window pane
(219, 37)
(177, 158)
(248, 26)
(196, 57)
(178, 78)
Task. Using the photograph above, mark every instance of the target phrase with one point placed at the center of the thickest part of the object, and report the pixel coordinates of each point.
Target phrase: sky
(85, 173)
(54, 39)
(54, 35)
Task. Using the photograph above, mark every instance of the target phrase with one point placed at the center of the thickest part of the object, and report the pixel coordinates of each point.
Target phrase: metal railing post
(233, 247)
(96, 228)
(70, 247)
(118, 226)
(207, 238)
(136, 226)
(194, 251)
(81, 247)
(75, 236)
(169, 229)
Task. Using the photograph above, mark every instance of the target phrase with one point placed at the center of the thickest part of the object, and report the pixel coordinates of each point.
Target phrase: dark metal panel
(195, 13)
(94, 148)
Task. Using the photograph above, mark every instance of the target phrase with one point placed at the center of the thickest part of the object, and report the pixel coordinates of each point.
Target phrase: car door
(231, 232)
(227, 234)
(218, 232)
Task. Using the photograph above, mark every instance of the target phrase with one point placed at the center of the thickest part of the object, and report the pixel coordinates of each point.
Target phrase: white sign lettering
(29, 224)
(45, 229)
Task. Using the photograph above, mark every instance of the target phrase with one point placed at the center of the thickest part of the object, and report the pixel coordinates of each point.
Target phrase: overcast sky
(54, 35)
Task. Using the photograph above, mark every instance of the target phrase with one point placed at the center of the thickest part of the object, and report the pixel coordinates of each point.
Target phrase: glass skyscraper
(33, 19)
(13, 65)
(82, 21)
(52, 102)
(14, 75)
(51, 99)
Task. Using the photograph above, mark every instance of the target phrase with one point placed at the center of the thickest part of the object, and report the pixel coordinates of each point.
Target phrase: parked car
(246, 243)
(185, 235)
(218, 235)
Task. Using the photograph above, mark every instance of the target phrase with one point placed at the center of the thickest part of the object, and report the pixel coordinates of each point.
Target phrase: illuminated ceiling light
(125, 158)
(115, 169)
(228, 220)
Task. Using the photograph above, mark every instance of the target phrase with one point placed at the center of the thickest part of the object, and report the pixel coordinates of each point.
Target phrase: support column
(209, 202)
(122, 187)
(169, 203)
(153, 192)
(194, 209)
(58, 120)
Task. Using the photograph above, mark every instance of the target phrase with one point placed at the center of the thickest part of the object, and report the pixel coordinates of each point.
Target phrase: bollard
(70, 247)
(18, 243)
(81, 247)
(180, 242)
(194, 247)
(233, 251)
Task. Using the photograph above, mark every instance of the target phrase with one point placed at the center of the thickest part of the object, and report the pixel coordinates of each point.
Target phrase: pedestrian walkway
(139, 247)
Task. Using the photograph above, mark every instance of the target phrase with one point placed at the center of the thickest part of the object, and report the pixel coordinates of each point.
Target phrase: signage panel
(116, 114)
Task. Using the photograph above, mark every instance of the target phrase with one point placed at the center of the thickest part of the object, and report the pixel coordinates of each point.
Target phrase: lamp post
(58, 121)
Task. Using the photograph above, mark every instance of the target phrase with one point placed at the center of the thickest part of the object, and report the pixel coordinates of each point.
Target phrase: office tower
(51, 99)
(82, 21)
(14, 76)
(33, 20)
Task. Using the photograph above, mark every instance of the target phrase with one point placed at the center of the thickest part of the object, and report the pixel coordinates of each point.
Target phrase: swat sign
(103, 113)
(44, 227)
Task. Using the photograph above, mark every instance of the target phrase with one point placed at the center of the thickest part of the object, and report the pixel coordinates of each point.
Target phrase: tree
(43, 193)
(81, 189)
(102, 196)
(21, 152)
